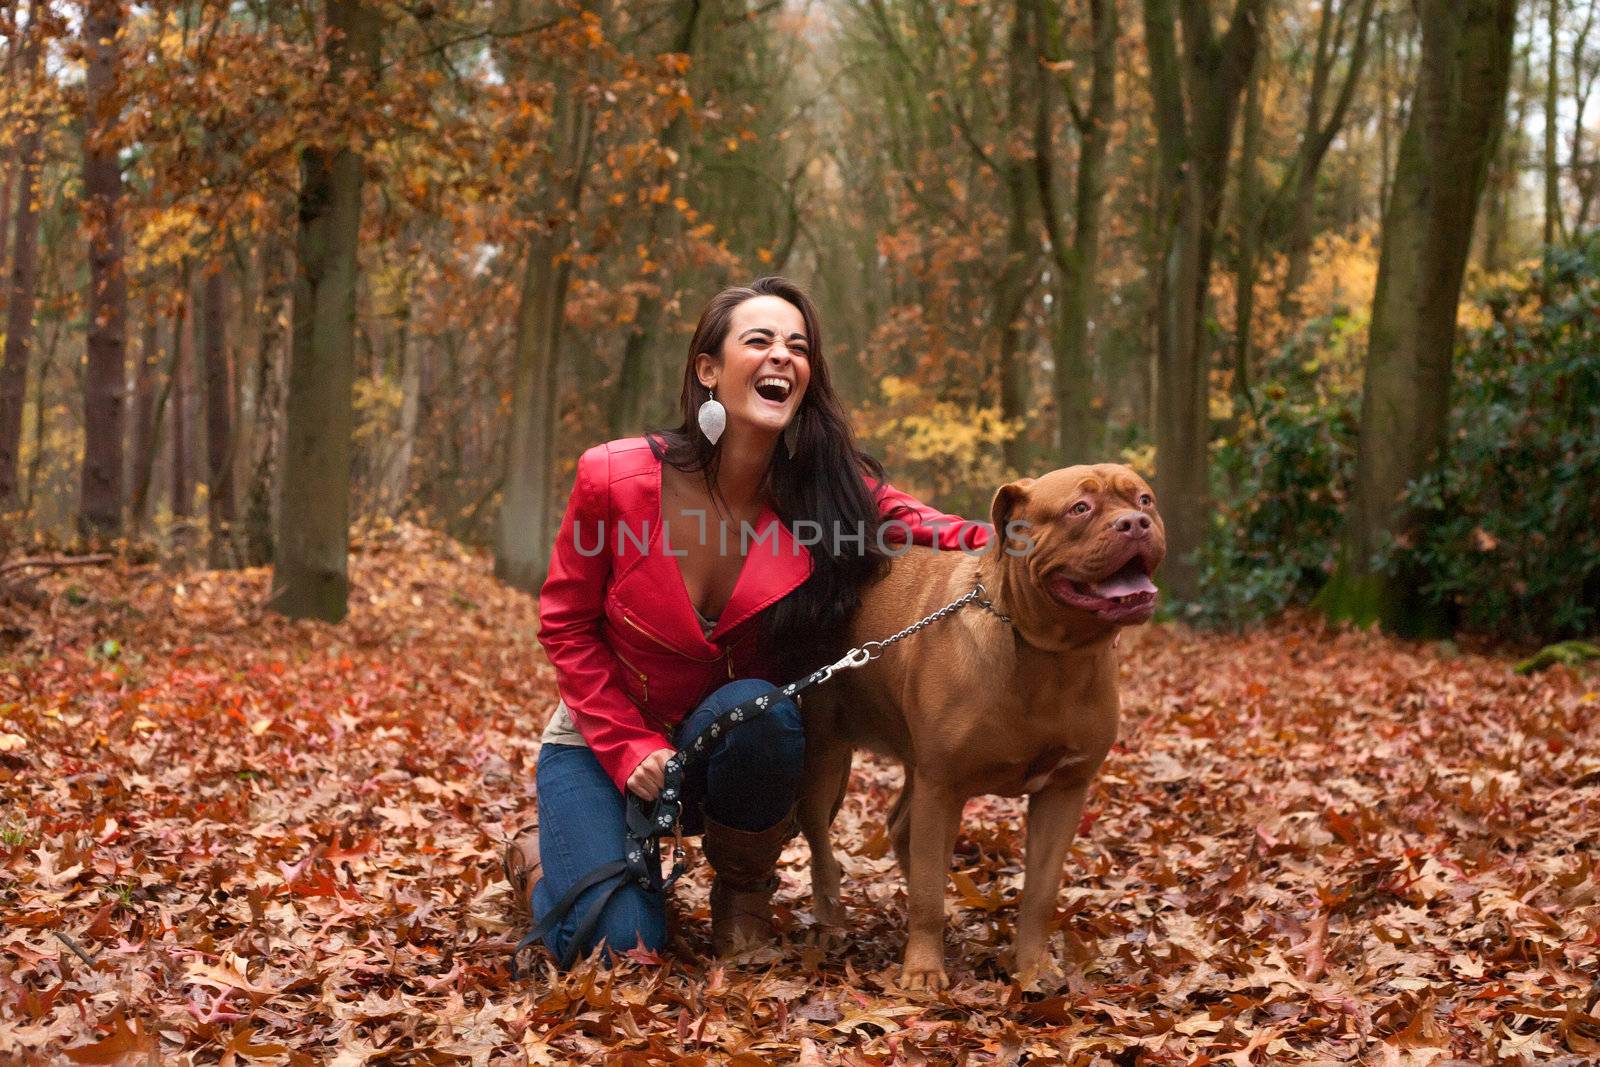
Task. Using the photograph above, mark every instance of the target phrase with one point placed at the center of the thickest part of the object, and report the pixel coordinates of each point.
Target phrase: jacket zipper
(726, 657)
(628, 618)
(644, 679)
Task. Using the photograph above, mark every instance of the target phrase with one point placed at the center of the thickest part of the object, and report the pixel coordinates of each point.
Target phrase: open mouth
(1125, 596)
(773, 389)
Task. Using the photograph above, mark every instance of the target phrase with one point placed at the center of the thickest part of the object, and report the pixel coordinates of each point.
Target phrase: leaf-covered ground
(230, 837)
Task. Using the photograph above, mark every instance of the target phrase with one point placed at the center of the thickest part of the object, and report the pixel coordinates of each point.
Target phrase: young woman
(696, 568)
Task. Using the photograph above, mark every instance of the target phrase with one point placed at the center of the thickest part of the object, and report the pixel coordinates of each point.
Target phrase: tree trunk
(1081, 422)
(1020, 270)
(8, 197)
(267, 422)
(625, 414)
(1385, 109)
(1585, 174)
(100, 505)
(309, 577)
(246, 401)
(8, 147)
(1195, 106)
(181, 493)
(1552, 175)
(397, 476)
(219, 417)
(526, 527)
(447, 473)
(1450, 136)
(1011, 299)
(1318, 137)
(146, 419)
(1501, 191)
(45, 517)
(258, 533)
(24, 274)
(1246, 267)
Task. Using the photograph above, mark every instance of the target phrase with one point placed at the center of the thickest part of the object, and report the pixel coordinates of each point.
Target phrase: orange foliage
(225, 834)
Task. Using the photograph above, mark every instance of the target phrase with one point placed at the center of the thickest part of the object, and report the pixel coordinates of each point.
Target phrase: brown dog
(972, 707)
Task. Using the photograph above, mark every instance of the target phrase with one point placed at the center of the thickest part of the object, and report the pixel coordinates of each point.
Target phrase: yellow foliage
(1474, 313)
(1344, 273)
(391, 287)
(1341, 276)
(170, 42)
(168, 235)
(894, 388)
(1219, 402)
(376, 405)
(1141, 458)
(51, 470)
(938, 429)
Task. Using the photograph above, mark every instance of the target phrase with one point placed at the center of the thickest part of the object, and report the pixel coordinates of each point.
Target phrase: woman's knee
(778, 735)
(738, 691)
(764, 752)
(776, 732)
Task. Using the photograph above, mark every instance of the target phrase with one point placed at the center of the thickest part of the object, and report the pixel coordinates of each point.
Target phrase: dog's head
(1088, 537)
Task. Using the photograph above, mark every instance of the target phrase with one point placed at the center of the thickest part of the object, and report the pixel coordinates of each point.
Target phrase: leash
(649, 821)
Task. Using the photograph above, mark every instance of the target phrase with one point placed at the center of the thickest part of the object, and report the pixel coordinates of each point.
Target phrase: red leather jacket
(631, 659)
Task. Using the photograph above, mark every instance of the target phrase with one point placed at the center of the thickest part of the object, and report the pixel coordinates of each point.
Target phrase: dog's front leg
(935, 818)
(827, 773)
(1052, 824)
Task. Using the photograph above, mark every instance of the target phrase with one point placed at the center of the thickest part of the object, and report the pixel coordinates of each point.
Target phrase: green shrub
(1510, 531)
(1279, 483)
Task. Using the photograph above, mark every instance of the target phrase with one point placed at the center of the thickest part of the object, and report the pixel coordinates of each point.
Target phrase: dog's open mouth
(1125, 596)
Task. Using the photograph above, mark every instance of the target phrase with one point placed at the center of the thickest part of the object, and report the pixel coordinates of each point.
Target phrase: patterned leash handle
(647, 825)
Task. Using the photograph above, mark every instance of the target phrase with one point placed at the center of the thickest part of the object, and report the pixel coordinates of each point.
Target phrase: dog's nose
(1132, 523)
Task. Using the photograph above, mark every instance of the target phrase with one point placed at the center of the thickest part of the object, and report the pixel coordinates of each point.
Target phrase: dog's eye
(1080, 508)
(1145, 500)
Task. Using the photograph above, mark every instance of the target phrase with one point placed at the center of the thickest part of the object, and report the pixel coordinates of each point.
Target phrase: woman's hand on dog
(647, 779)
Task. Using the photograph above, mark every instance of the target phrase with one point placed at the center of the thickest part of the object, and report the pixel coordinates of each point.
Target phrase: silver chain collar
(871, 650)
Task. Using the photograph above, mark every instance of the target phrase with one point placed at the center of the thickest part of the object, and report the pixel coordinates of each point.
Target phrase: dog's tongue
(1125, 582)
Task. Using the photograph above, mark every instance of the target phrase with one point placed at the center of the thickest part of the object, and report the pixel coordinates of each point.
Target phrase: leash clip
(856, 657)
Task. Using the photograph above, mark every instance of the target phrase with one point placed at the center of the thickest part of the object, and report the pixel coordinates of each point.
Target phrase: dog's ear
(1007, 502)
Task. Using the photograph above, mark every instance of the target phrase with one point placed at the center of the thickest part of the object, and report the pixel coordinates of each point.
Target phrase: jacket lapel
(775, 565)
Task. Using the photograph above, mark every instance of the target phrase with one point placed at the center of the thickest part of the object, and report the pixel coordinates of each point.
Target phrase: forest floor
(228, 837)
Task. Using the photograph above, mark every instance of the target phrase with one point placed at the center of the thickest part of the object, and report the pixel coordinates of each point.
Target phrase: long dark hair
(823, 483)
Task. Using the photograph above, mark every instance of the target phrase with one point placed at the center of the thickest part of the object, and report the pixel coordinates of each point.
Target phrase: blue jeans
(749, 782)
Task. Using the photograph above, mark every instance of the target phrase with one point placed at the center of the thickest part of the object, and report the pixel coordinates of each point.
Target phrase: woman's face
(765, 365)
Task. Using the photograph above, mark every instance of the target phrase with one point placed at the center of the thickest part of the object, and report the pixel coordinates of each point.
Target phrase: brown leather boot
(523, 869)
(745, 863)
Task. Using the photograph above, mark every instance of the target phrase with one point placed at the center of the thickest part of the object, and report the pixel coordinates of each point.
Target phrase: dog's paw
(824, 939)
(930, 977)
(1032, 979)
(828, 911)
(1037, 972)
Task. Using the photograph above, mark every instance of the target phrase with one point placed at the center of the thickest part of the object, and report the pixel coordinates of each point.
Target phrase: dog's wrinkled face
(1096, 536)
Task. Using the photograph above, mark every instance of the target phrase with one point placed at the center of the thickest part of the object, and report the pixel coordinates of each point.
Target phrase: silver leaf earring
(712, 417)
(791, 434)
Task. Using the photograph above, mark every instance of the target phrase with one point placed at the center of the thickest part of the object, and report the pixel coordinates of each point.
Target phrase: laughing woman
(694, 569)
